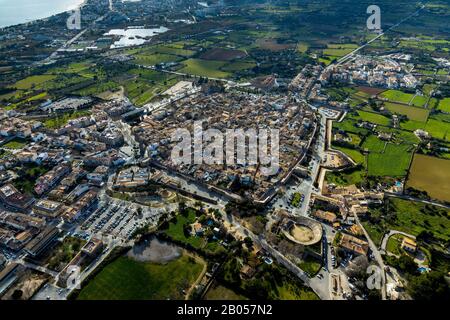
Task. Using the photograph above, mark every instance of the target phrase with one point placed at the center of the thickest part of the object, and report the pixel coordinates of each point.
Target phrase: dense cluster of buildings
(367, 70)
(231, 111)
(50, 178)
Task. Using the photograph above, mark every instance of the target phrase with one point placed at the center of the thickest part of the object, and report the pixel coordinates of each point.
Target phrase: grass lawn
(15, 144)
(413, 113)
(28, 177)
(62, 119)
(302, 47)
(432, 175)
(204, 68)
(290, 292)
(394, 244)
(296, 199)
(310, 265)
(64, 253)
(127, 279)
(375, 231)
(222, 293)
(176, 231)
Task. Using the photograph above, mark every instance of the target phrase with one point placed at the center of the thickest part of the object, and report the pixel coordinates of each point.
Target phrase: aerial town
(357, 206)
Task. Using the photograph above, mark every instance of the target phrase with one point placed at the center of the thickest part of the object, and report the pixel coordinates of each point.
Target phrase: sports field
(432, 175)
(127, 279)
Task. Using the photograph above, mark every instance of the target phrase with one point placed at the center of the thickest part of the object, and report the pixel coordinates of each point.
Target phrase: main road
(351, 54)
(319, 286)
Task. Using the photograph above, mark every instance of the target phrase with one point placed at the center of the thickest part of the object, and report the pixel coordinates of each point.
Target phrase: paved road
(38, 268)
(351, 54)
(319, 286)
(406, 197)
(378, 257)
(391, 233)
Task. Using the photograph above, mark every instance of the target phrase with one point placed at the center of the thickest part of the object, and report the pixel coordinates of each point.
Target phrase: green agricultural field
(397, 96)
(427, 88)
(373, 144)
(419, 101)
(349, 125)
(33, 82)
(173, 49)
(412, 125)
(127, 279)
(407, 216)
(98, 88)
(413, 113)
(238, 66)
(444, 105)
(432, 175)
(154, 59)
(302, 47)
(438, 129)
(205, 68)
(393, 162)
(372, 117)
(339, 50)
(413, 218)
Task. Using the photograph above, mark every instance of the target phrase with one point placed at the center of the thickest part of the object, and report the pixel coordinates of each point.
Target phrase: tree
(139, 212)
(248, 242)
(17, 294)
(358, 267)
(429, 286)
(182, 208)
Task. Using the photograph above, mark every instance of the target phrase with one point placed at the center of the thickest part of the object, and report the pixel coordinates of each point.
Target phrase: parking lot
(119, 218)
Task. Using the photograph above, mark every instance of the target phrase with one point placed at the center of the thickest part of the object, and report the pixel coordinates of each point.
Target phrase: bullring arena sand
(302, 233)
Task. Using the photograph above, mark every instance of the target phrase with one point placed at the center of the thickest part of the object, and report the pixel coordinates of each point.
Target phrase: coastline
(23, 20)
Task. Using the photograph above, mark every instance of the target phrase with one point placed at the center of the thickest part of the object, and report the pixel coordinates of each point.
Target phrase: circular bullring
(304, 231)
